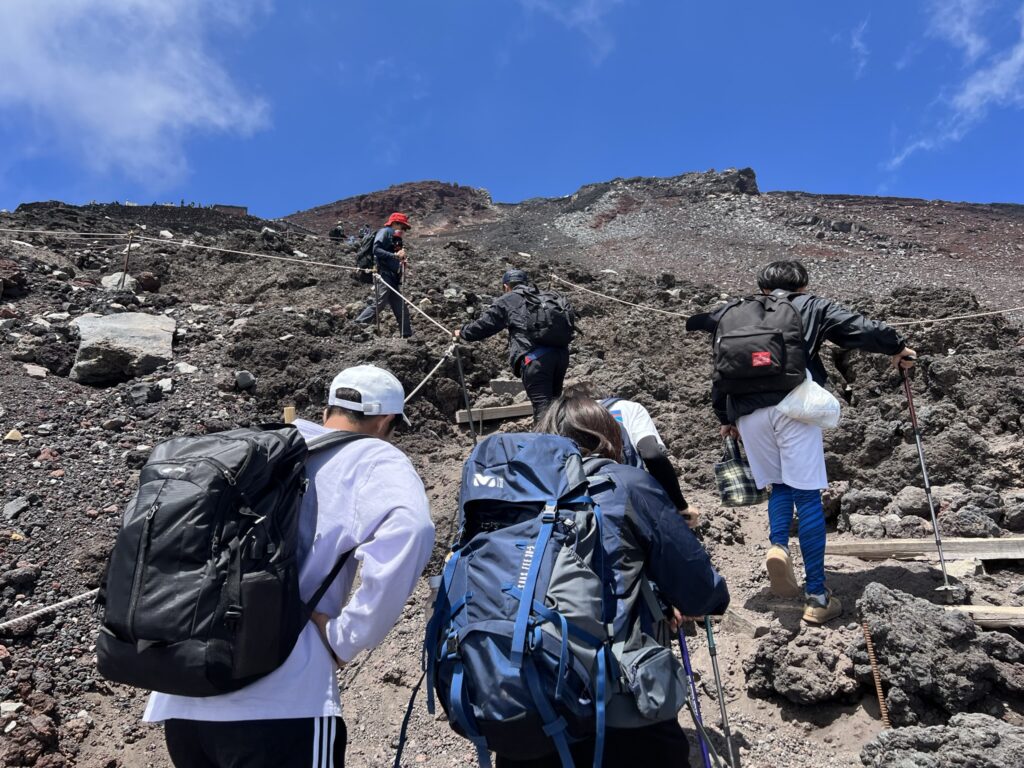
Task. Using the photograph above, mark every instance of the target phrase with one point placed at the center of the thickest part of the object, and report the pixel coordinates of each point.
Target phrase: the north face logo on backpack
(487, 481)
(761, 359)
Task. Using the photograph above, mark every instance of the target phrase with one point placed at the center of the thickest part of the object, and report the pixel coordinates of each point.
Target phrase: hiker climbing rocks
(337, 231)
(366, 500)
(644, 448)
(645, 542)
(389, 256)
(540, 326)
(765, 346)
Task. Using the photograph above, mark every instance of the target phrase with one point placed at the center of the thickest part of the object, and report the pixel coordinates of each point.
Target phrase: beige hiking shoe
(780, 572)
(819, 609)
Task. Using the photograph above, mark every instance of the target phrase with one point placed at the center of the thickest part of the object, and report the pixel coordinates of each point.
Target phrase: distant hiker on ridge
(389, 256)
(540, 327)
(763, 350)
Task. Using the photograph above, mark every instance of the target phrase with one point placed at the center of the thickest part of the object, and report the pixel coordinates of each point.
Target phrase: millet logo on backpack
(487, 481)
(760, 359)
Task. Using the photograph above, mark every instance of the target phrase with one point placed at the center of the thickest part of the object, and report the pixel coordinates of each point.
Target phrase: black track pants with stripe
(315, 742)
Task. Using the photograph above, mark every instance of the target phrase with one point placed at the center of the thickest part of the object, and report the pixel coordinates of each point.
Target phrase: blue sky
(282, 106)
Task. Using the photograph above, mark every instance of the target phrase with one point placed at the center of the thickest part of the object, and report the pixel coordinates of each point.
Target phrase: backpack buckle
(550, 513)
(233, 615)
(451, 646)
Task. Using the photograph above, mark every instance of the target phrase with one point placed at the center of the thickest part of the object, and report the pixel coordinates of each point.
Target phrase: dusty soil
(796, 697)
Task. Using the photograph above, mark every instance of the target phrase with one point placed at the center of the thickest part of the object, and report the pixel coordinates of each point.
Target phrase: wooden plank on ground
(992, 616)
(1005, 548)
(497, 412)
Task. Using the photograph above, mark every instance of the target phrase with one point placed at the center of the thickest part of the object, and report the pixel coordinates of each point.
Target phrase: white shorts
(783, 450)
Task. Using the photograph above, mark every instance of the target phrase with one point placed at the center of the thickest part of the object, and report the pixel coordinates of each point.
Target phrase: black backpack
(201, 592)
(364, 258)
(550, 319)
(759, 346)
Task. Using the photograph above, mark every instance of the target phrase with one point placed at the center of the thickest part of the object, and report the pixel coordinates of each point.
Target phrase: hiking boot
(819, 609)
(780, 572)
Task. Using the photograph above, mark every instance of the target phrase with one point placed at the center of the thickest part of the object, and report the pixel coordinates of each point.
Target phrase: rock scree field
(222, 321)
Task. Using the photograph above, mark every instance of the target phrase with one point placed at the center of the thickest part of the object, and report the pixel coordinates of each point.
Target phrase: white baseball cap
(381, 392)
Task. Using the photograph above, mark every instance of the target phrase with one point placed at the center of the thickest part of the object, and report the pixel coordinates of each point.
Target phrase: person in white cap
(365, 497)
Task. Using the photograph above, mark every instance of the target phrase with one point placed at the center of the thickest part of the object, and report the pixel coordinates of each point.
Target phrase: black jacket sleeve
(493, 320)
(660, 466)
(675, 560)
(384, 251)
(852, 330)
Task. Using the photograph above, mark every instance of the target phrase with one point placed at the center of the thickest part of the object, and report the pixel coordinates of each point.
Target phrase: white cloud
(999, 83)
(861, 52)
(584, 16)
(957, 22)
(121, 84)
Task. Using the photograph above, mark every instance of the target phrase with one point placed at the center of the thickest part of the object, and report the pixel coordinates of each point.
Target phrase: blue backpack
(517, 646)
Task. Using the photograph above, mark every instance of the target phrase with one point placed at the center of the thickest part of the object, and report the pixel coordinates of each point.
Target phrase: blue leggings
(811, 527)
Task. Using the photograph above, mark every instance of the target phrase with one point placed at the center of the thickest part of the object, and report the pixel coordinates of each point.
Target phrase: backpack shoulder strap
(333, 439)
(608, 402)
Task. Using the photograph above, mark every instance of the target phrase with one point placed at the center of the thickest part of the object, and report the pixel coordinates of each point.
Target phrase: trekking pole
(698, 721)
(465, 393)
(127, 256)
(405, 308)
(713, 650)
(927, 483)
(376, 299)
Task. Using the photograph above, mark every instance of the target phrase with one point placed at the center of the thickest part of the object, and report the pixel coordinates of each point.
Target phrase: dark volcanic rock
(968, 741)
(933, 662)
(809, 667)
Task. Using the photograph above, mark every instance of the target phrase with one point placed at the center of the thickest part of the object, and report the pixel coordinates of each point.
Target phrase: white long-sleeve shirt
(365, 496)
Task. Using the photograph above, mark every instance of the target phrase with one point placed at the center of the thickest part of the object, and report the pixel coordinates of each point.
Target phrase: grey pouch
(656, 680)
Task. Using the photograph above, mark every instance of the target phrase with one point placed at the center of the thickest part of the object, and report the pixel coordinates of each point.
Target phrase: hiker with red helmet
(389, 256)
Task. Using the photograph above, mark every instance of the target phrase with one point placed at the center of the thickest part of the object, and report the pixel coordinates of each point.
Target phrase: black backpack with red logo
(759, 346)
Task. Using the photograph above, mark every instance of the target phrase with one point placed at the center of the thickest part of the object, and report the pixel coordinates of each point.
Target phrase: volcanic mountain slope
(797, 696)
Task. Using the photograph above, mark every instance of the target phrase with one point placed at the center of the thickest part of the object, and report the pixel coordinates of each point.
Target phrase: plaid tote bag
(735, 480)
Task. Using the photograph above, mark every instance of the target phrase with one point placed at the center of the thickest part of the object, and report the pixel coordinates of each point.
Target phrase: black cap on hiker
(514, 277)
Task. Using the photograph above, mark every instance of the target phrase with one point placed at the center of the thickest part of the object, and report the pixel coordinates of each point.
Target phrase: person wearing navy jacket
(652, 560)
(389, 256)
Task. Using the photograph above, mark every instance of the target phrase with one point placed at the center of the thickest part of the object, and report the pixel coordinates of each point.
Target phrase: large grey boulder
(809, 666)
(974, 739)
(115, 348)
(934, 663)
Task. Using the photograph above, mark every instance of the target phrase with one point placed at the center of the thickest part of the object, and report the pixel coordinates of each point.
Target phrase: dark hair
(353, 396)
(587, 423)
(787, 275)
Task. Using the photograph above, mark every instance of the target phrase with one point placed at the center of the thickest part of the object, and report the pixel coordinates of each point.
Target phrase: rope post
(465, 395)
(127, 256)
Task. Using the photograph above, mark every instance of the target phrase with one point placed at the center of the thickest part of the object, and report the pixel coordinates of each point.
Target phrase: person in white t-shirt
(649, 451)
(364, 497)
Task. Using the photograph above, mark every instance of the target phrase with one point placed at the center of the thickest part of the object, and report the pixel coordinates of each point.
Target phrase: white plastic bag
(811, 404)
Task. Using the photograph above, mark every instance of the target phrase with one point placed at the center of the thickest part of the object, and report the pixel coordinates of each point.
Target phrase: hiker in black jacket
(389, 256)
(645, 542)
(541, 368)
(789, 454)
